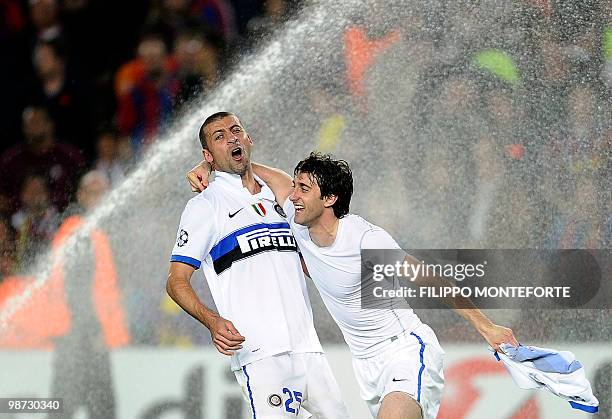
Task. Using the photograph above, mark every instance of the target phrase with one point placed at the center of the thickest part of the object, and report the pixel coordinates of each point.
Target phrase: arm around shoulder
(276, 179)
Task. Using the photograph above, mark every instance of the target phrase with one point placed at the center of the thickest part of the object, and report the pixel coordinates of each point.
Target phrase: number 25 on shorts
(294, 397)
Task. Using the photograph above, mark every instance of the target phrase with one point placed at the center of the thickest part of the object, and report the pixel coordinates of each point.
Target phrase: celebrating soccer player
(397, 359)
(236, 232)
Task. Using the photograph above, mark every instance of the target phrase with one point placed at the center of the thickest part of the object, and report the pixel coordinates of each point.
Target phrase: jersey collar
(235, 182)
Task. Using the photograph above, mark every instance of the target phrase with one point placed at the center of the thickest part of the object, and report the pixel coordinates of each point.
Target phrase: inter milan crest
(279, 209)
(183, 238)
(259, 209)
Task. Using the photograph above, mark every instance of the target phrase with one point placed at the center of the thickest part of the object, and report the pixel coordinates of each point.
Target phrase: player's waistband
(379, 347)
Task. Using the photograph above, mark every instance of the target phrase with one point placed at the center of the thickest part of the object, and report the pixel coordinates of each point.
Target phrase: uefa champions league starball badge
(183, 238)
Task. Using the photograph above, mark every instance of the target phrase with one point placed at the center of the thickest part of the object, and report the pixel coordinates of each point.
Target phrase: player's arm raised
(198, 176)
(277, 180)
(224, 335)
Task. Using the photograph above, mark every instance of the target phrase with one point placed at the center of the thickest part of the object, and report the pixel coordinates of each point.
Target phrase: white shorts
(412, 364)
(292, 386)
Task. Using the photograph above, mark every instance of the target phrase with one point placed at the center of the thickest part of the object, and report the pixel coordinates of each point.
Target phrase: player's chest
(238, 211)
(255, 224)
(336, 273)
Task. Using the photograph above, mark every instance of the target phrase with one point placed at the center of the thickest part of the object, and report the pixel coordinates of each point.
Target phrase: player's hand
(198, 176)
(224, 336)
(495, 335)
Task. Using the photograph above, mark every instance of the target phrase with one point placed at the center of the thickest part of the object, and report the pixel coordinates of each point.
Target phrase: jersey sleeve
(196, 234)
(377, 238)
(384, 250)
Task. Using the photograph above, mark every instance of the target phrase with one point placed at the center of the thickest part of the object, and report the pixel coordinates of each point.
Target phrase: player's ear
(329, 200)
(207, 156)
(250, 139)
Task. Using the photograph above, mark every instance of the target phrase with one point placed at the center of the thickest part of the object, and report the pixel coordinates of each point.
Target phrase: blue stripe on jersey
(229, 242)
(186, 259)
(422, 364)
(584, 407)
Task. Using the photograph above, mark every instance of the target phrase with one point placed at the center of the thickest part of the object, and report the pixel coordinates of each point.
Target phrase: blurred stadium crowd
(88, 85)
(519, 89)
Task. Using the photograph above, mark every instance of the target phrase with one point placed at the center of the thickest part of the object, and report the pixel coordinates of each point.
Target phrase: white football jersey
(336, 271)
(249, 257)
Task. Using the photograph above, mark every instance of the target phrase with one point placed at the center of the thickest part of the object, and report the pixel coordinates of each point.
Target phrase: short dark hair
(212, 118)
(334, 177)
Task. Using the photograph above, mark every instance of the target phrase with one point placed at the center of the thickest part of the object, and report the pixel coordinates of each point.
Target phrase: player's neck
(323, 231)
(249, 182)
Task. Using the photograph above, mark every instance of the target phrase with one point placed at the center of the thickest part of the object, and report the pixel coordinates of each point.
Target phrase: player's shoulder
(368, 234)
(353, 230)
(202, 201)
(357, 224)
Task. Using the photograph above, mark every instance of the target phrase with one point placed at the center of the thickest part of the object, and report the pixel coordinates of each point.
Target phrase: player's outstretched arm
(494, 334)
(277, 180)
(224, 335)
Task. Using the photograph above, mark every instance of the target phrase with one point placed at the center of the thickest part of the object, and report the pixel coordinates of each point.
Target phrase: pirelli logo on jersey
(266, 238)
(251, 240)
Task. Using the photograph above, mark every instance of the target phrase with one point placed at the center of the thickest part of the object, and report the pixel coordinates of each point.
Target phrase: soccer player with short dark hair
(235, 231)
(397, 359)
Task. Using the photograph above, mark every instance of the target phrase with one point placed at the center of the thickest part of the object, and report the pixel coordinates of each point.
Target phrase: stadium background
(467, 125)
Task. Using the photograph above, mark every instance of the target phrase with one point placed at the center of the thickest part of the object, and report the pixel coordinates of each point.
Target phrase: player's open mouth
(237, 154)
(298, 208)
